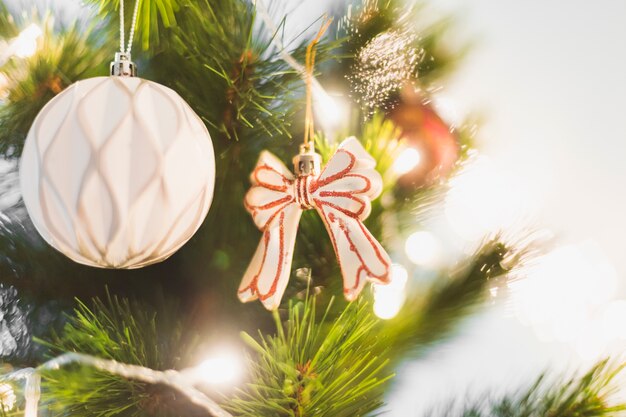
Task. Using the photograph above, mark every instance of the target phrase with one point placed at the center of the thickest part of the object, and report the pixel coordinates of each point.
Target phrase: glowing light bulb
(423, 248)
(388, 299)
(25, 45)
(614, 320)
(483, 199)
(221, 368)
(408, 159)
(7, 397)
(562, 291)
(4, 84)
(331, 111)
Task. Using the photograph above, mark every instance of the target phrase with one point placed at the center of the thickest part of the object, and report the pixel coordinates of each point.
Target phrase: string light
(331, 111)
(484, 199)
(389, 298)
(423, 248)
(22, 46)
(566, 294)
(4, 84)
(180, 381)
(223, 367)
(614, 320)
(25, 45)
(7, 398)
(408, 159)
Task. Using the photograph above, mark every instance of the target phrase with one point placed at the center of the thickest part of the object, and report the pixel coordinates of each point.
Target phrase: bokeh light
(25, 45)
(388, 299)
(7, 397)
(484, 199)
(564, 297)
(423, 248)
(331, 111)
(222, 368)
(408, 159)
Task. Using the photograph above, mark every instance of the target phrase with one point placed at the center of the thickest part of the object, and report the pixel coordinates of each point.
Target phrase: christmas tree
(87, 341)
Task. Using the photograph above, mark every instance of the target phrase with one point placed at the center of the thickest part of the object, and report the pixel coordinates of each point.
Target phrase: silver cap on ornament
(307, 162)
(123, 66)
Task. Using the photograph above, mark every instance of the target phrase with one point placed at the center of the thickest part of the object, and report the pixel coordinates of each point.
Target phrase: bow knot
(302, 195)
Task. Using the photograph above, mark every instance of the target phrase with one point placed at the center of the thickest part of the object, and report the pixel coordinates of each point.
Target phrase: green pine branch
(128, 332)
(153, 17)
(586, 395)
(432, 316)
(64, 56)
(316, 366)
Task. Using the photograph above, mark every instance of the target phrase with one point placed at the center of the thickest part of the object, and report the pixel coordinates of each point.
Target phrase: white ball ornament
(117, 172)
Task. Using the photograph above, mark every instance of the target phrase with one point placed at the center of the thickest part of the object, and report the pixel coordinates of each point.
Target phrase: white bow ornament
(341, 194)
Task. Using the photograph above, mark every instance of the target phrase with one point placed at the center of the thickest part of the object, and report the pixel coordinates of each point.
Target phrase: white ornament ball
(117, 172)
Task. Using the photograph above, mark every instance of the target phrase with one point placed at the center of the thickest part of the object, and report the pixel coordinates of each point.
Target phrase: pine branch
(315, 367)
(432, 316)
(152, 18)
(126, 332)
(8, 28)
(64, 57)
(587, 395)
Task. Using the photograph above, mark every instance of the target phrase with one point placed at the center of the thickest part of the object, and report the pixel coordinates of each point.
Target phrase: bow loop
(272, 189)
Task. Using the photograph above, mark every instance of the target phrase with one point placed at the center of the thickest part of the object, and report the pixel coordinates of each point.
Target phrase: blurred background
(547, 81)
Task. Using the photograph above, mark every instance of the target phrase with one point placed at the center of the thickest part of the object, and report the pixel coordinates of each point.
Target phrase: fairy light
(181, 381)
(408, 159)
(223, 367)
(22, 46)
(484, 199)
(4, 85)
(7, 397)
(614, 320)
(331, 111)
(423, 248)
(566, 296)
(25, 45)
(389, 298)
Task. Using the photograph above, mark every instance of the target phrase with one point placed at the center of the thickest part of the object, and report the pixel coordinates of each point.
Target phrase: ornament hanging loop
(307, 162)
(123, 66)
(309, 129)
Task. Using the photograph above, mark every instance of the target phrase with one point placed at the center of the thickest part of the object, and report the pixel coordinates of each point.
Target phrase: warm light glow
(25, 45)
(388, 299)
(408, 159)
(484, 199)
(221, 368)
(7, 397)
(4, 84)
(561, 295)
(614, 320)
(331, 111)
(423, 248)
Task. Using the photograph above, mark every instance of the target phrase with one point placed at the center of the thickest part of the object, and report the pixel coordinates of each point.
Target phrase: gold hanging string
(309, 128)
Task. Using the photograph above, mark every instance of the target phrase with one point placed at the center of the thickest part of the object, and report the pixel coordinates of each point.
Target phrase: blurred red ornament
(432, 148)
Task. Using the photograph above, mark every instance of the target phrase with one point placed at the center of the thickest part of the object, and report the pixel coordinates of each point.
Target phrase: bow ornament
(341, 194)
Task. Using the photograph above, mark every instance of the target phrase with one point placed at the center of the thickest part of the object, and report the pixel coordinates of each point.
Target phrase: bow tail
(360, 256)
(268, 273)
